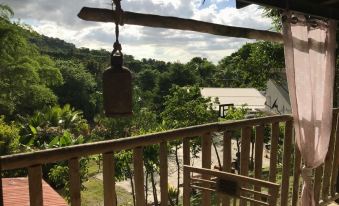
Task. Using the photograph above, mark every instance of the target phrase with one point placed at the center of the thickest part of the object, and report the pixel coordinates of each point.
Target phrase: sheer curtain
(310, 64)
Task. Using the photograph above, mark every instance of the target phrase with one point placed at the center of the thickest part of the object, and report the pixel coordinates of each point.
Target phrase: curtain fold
(310, 65)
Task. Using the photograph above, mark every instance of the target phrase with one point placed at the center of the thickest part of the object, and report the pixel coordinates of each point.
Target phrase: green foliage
(252, 66)
(53, 127)
(185, 106)
(25, 75)
(5, 12)
(78, 89)
(9, 137)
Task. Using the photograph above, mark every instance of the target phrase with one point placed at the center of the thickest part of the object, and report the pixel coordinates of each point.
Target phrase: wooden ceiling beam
(149, 20)
(302, 6)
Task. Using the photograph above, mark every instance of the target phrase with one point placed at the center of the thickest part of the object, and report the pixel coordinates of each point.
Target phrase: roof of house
(16, 192)
(237, 96)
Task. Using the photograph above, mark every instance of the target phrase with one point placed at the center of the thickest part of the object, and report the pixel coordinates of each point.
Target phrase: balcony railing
(325, 176)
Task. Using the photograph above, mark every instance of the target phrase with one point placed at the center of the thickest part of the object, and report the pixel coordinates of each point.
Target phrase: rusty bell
(117, 88)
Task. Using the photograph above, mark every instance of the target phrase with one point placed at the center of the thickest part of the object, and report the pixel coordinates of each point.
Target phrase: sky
(58, 18)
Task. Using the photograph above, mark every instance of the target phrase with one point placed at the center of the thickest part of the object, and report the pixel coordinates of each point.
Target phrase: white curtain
(310, 64)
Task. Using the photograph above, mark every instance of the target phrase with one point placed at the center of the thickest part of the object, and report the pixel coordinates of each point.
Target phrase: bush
(9, 137)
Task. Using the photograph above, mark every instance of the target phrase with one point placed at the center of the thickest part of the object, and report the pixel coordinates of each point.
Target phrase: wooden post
(334, 172)
(35, 185)
(317, 182)
(259, 147)
(296, 175)
(139, 176)
(329, 161)
(246, 134)
(107, 15)
(186, 156)
(109, 179)
(286, 163)
(206, 163)
(274, 152)
(74, 181)
(163, 174)
(227, 161)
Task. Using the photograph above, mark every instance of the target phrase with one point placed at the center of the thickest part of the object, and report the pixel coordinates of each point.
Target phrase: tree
(184, 106)
(26, 77)
(252, 66)
(78, 89)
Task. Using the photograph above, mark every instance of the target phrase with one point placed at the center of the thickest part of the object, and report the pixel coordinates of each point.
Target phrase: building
(237, 97)
(277, 98)
(16, 192)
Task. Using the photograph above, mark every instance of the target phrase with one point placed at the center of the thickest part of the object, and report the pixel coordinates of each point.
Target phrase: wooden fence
(250, 130)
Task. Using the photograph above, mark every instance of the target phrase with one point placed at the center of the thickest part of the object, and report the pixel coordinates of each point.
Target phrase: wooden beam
(150, 20)
(317, 9)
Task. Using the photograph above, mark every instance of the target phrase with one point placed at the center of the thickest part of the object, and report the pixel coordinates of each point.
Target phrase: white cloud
(58, 19)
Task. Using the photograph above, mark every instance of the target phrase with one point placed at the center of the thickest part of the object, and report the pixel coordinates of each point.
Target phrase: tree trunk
(146, 187)
(155, 195)
(217, 153)
(131, 181)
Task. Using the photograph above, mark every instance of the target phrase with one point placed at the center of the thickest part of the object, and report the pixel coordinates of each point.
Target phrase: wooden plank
(206, 163)
(286, 163)
(259, 148)
(186, 157)
(138, 163)
(317, 182)
(59, 154)
(35, 185)
(150, 20)
(227, 161)
(296, 175)
(109, 180)
(163, 174)
(74, 181)
(334, 173)
(233, 177)
(246, 134)
(274, 152)
(329, 161)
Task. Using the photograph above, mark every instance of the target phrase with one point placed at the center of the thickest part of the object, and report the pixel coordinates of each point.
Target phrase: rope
(118, 20)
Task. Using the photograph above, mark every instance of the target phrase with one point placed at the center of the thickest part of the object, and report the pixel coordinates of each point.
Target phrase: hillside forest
(51, 96)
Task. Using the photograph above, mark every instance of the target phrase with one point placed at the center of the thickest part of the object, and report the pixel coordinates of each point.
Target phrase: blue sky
(59, 19)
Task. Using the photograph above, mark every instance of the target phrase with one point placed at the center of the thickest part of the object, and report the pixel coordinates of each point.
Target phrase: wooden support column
(138, 163)
(107, 15)
(259, 148)
(329, 160)
(246, 134)
(163, 174)
(109, 180)
(74, 181)
(296, 175)
(187, 181)
(286, 163)
(35, 185)
(206, 163)
(227, 161)
(335, 174)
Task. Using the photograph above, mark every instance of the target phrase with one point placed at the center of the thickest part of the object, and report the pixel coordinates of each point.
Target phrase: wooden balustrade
(73, 154)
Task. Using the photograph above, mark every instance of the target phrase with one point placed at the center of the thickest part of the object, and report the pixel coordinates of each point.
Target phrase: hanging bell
(117, 88)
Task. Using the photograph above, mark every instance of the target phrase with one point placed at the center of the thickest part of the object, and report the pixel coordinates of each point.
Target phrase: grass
(93, 195)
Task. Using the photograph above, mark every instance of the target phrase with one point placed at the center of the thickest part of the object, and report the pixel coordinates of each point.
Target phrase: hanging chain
(118, 18)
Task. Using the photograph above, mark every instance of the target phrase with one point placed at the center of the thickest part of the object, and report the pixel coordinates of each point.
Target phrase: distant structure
(16, 192)
(277, 98)
(237, 97)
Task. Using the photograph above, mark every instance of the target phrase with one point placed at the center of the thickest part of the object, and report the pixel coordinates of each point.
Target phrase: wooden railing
(34, 161)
